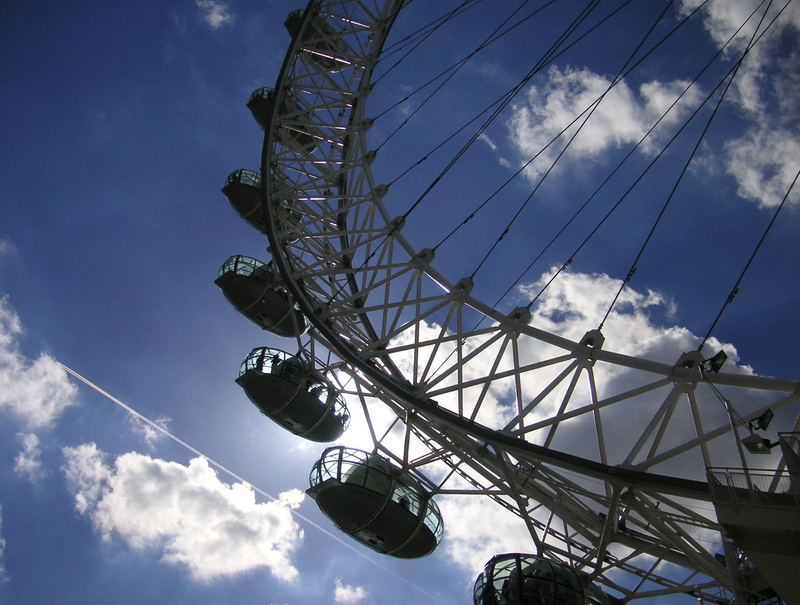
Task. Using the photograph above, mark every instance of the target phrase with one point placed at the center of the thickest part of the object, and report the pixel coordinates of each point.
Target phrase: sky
(121, 122)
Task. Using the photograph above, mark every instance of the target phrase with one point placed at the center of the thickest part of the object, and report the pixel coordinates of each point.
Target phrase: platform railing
(754, 487)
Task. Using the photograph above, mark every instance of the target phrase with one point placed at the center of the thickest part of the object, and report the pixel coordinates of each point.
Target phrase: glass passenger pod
(287, 390)
(243, 190)
(376, 503)
(293, 130)
(256, 291)
(321, 45)
(521, 579)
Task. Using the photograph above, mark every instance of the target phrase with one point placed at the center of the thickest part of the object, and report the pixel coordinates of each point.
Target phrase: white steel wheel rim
(368, 293)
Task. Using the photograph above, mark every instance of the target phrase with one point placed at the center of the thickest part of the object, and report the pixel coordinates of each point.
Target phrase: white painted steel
(400, 333)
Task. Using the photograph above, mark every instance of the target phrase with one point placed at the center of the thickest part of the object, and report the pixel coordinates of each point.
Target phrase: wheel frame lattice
(371, 297)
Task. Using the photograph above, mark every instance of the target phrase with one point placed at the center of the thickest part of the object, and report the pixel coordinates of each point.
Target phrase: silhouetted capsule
(294, 128)
(257, 292)
(376, 503)
(520, 579)
(297, 397)
(243, 190)
(321, 44)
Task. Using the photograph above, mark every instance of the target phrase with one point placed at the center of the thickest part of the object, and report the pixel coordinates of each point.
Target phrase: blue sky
(121, 122)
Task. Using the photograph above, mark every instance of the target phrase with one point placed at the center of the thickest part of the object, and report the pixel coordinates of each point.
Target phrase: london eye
(638, 472)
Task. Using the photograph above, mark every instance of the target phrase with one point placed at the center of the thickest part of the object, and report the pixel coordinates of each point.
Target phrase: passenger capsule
(375, 503)
(243, 190)
(321, 44)
(257, 292)
(290, 392)
(294, 129)
(518, 579)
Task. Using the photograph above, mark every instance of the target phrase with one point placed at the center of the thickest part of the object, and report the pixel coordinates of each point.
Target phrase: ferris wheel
(603, 454)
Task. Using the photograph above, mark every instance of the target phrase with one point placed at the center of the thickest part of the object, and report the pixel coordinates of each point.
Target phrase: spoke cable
(735, 289)
(394, 46)
(457, 63)
(505, 97)
(623, 160)
(548, 56)
(679, 180)
(453, 69)
(716, 55)
(615, 80)
(434, 25)
(623, 73)
(588, 108)
(649, 166)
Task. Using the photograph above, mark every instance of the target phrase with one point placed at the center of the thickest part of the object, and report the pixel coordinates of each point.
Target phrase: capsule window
(433, 520)
(408, 498)
(244, 265)
(244, 177)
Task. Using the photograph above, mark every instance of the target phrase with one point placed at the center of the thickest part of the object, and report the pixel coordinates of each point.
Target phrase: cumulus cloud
(28, 463)
(763, 159)
(762, 149)
(184, 512)
(87, 474)
(344, 593)
(471, 540)
(215, 13)
(577, 301)
(35, 392)
(623, 117)
(764, 163)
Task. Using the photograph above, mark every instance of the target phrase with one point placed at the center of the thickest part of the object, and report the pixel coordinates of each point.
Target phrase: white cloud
(344, 593)
(185, 512)
(471, 541)
(762, 160)
(87, 474)
(761, 153)
(764, 163)
(35, 392)
(149, 434)
(723, 17)
(623, 117)
(576, 302)
(28, 463)
(3, 574)
(215, 13)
